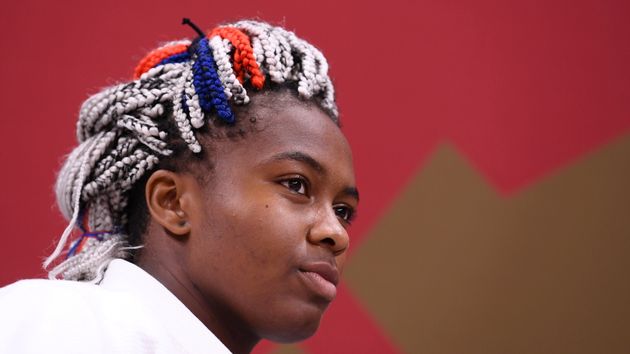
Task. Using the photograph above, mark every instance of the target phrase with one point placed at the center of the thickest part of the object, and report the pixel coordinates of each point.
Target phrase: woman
(212, 194)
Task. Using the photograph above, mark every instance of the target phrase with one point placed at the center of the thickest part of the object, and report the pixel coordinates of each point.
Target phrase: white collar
(174, 315)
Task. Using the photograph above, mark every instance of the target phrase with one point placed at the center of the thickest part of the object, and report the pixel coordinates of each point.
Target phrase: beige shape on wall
(453, 267)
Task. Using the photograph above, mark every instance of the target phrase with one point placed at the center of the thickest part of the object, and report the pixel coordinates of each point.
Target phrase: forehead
(283, 123)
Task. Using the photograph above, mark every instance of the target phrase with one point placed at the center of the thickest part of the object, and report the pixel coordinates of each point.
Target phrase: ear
(164, 192)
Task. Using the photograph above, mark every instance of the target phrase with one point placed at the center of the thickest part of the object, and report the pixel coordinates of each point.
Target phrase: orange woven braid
(156, 56)
(243, 55)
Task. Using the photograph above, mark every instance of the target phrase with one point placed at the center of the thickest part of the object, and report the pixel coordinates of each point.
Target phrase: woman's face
(269, 228)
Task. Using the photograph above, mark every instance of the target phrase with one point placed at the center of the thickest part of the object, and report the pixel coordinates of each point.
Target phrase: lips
(322, 278)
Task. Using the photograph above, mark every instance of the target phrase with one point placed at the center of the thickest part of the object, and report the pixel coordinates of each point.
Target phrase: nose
(327, 231)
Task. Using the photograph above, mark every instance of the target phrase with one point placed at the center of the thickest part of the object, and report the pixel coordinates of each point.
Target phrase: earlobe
(164, 192)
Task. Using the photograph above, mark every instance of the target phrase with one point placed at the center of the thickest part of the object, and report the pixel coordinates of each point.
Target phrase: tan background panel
(455, 268)
(288, 349)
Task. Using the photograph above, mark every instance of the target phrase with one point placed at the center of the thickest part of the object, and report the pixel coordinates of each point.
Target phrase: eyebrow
(309, 160)
(301, 157)
(352, 192)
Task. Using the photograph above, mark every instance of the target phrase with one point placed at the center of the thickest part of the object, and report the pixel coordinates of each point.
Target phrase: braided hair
(123, 131)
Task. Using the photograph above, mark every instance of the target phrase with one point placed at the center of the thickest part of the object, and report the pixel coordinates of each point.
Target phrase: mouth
(321, 278)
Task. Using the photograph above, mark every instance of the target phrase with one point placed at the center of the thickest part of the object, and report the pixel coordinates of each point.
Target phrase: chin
(295, 328)
(292, 335)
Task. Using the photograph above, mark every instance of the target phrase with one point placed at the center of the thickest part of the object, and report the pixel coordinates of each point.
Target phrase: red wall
(521, 88)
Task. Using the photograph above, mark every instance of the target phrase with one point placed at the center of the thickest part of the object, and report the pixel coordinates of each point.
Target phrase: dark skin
(254, 248)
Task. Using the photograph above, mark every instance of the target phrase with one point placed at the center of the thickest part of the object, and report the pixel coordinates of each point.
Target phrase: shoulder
(42, 296)
(129, 312)
(55, 287)
(63, 316)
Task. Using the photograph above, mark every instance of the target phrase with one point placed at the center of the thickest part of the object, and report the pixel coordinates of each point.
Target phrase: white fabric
(129, 312)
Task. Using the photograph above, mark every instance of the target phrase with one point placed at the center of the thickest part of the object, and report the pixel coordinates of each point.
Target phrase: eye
(296, 185)
(344, 213)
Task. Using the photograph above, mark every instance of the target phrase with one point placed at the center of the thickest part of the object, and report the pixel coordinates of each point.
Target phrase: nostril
(329, 241)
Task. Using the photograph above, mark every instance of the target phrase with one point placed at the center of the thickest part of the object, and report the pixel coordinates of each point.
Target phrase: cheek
(269, 231)
(254, 236)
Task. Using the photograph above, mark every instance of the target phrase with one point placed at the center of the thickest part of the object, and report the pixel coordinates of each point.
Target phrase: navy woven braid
(175, 58)
(207, 83)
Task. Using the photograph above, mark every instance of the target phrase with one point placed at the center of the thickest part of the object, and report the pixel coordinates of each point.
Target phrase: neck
(217, 317)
